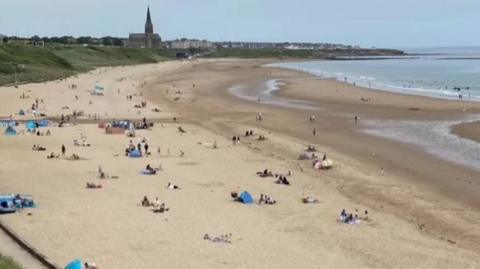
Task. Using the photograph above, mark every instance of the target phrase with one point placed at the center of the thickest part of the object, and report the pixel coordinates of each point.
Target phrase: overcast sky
(380, 23)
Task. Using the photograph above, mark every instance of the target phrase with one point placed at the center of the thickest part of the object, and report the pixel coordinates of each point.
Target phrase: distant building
(145, 40)
(1, 38)
(189, 44)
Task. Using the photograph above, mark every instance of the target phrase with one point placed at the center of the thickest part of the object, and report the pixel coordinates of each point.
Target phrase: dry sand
(411, 224)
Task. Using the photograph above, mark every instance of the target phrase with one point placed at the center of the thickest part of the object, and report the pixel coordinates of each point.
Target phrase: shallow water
(434, 137)
(437, 75)
(263, 93)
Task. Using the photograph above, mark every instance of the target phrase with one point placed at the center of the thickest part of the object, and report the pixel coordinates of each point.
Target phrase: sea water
(451, 73)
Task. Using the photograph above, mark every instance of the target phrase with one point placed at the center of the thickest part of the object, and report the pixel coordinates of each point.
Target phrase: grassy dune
(36, 64)
(8, 263)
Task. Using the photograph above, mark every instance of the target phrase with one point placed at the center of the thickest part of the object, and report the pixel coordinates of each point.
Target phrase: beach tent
(246, 198)
(75, 264)
(10, 131)
(135, 153)
(98, 90)
(43, 123)
(21, 112)
(31, 125)
(6, 204)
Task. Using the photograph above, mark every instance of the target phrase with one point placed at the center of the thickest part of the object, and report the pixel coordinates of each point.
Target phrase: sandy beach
(423, 210)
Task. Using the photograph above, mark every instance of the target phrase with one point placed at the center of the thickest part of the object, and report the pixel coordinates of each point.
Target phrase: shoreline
(395, 89)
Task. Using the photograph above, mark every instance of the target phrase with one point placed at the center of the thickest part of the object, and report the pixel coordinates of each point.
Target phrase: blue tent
(75, 264)
(43, 123)
(10, 131)
(7, 205)
(31, 125)
(135, 153)
(246, 198)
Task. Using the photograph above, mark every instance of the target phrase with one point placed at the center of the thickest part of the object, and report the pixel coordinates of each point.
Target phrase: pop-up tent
(21, 112)
(135, 153)
(31, 125)
(43, 123)
(246, 198)
(75, 264)
(10, 131)
(98, 90)
(7, 205)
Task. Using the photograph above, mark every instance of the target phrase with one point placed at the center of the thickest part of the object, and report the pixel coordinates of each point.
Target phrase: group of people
(227, 238)
(236, 140)
(157, 206)
(265, 199)
(38, 148)
(248, 133)
(281, 179)
(352, 218)
(132, 147)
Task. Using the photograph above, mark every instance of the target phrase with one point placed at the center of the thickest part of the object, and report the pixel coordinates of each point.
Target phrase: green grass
(8, 263)
(37, 64)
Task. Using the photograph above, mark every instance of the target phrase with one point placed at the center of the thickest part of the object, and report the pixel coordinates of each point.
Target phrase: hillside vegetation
(36, 64)
(300, 54)
(8, 263)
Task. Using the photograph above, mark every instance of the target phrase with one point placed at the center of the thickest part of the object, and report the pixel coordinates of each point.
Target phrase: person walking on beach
(146, 148)
(314, 132)
(63, 150)
(357, 119)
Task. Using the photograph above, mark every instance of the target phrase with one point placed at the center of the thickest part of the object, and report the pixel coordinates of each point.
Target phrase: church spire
(148, 23)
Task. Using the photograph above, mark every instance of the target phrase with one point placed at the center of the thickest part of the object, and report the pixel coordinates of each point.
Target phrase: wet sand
(468, 130)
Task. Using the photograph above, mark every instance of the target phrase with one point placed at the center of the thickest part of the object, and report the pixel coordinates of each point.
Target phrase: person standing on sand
(146, 148)
(357, 119)
(63, 150)
(314, 132)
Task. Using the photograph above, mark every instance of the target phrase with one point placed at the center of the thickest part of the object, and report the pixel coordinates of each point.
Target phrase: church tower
(148, 23)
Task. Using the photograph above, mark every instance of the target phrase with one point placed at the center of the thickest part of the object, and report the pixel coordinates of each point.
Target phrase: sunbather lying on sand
(171, 186)
(91, 185)
(38, 148)
(161, 209)
(90, 265)
(149, 170)
(227, 238)
(309, 200)
(53, 156)
(265, 173)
